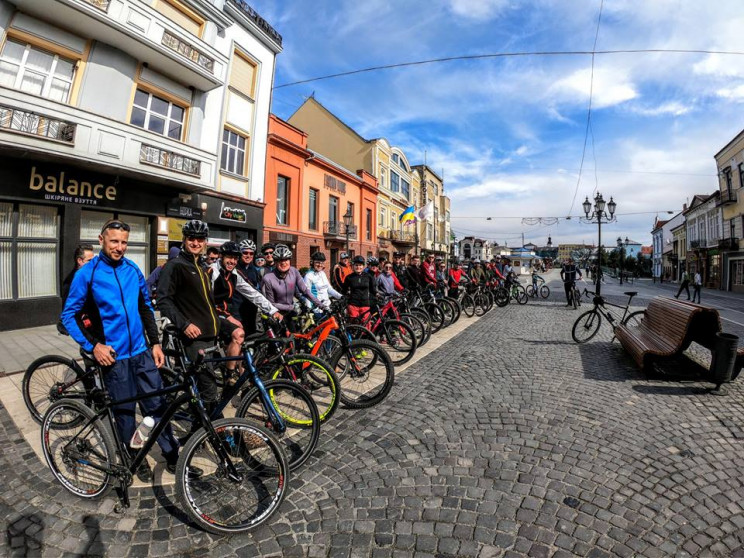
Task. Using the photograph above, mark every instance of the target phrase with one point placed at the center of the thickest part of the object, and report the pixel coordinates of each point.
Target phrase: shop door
(736, 273)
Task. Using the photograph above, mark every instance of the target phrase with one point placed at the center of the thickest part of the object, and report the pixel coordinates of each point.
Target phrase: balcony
(695, 244)
(400, 237)
(56, 131)
(384, 233)
(728, 244)
(728, 196)
(337, 229)
(139, 30)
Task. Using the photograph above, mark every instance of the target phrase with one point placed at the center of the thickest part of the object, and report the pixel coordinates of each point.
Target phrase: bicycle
(231, 476)
(587, 324)
(575, 295)
(538, 287)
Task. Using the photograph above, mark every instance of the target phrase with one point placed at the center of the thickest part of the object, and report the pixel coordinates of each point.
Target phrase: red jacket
(430, 273)
(454, 277)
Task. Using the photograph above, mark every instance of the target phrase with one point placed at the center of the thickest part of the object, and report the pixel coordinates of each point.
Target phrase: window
(313, 219)
(349, 208)
(282, 200)
(36, 71)
(369, 224)
(405, 187)
(138, 249)
(180, 16)
(333, 209)
(382, 177)
(28, 251)
(157, 115)
(429, 232)
(396, 159)
(394, 181)
(233, 152)
(382, 217)
(243, 75)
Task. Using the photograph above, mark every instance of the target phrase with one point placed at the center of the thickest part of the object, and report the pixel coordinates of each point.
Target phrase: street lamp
(598, 215)
(621, 246)
(348, 222)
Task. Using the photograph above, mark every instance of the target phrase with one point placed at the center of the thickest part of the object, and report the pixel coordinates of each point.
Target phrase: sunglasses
(268, 253)
(247, 253)
(116, 225)
(388, 267)
(196, 239)
(212, 258)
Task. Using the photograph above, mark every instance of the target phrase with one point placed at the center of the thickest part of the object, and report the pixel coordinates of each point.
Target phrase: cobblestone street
(509, 440)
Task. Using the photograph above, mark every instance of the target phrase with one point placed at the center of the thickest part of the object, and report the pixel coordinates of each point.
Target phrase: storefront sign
(175, 227)
(182, 211)
(58, 187)
(228, 213)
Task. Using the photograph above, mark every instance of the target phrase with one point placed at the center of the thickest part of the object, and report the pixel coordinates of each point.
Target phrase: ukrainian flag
(408, 215)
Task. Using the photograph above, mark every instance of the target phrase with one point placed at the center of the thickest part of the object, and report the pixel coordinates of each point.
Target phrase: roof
(314, 100)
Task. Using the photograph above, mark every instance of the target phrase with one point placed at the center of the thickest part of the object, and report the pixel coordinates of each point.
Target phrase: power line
(508, 55)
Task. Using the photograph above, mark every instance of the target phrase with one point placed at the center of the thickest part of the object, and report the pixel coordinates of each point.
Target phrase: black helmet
(358, 260)
(230, 248)
(282, 252)
(318, 257)
(267, 246)
(195, 229)
(372, 261)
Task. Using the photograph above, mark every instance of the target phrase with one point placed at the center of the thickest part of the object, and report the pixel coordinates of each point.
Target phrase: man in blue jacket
(116, 287)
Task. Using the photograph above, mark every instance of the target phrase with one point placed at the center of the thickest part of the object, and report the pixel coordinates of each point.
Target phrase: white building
(147, 111)
(475, 248)
(703, 221)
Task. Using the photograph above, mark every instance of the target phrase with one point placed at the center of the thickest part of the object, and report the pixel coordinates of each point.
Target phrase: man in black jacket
(360, 288)
(399, 268)
(415, 274)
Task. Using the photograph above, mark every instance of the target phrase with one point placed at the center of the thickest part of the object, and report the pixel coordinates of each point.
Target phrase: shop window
(233, 152)
(138, 249)
(157, 115)
(28, 251)
(36, 71)
(313, 217)
(282, 200)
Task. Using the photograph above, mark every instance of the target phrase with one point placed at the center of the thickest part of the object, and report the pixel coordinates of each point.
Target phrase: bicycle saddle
(631, 293)
(172, 329)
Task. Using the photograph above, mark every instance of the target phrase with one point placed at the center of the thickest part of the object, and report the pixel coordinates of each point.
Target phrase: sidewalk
(20, 347)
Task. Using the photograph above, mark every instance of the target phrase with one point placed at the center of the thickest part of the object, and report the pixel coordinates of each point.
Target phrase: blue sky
(508, 133)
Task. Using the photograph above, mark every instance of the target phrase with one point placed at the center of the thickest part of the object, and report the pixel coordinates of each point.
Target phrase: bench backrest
(682, 322)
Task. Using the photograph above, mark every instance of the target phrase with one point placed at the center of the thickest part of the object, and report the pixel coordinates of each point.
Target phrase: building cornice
(251, 20)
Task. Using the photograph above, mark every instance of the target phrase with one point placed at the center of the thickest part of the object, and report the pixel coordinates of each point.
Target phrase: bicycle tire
(422, 315)
(521, 296)
(634, 319)
(501, 297)
(545, 291)
(436, 316)
(417, 326)
(456, 306)
(586, 326)
(73, 467)
(468, 306)
(40, 379)
(252, 498)
(368, 383)
(360, 332)
(480, 304)
(320, 380)
(398, 340)
(296, 408)
(530, 290)
(447, 310)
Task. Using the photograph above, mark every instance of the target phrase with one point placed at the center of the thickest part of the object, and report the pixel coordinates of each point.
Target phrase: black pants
(568, 287)
(205, 380)
(696, 293)
(686, 286)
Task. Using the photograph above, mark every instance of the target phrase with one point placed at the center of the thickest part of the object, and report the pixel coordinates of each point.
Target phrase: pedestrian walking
(697, 282)
(685, 284)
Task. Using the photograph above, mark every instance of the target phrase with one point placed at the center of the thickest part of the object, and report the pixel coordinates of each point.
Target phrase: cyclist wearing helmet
(226, 281)
(267, 251)
(360, 288)
(317, 281)
(477, 275)
(279, 285)
(386, 282)
(373, 266)
(251, 274)
(340, 271)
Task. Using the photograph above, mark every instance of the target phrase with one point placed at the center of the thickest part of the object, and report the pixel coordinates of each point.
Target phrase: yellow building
(434, 234)
(730, 163)
(565, 251)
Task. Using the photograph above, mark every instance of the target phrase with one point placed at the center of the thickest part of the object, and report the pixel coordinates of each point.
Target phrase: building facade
(703, 231)
(678, 256)
(566, 251)
(434, 234)
(150, 112)
(471, 248)
(657, 243)
(730, 165)
(308, 197)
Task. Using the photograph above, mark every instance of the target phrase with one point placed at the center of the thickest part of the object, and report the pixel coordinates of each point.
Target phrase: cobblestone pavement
(510, 440)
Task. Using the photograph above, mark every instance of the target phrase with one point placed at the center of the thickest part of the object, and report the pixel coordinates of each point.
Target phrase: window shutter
(242, 76)
(179, 17)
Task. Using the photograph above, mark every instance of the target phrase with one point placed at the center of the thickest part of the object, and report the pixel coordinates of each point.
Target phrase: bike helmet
(267, 246)
(247, 244)
(282, 252)
(358, 260)
(318, 257)
(343, 256)
(230, 248)
(195, 229)
(372, 261)
(476, 261)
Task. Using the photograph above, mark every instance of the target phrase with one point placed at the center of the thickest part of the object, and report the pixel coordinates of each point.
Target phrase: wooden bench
(668, 329)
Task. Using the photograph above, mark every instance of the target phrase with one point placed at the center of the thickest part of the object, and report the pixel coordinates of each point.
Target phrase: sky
(508, 133)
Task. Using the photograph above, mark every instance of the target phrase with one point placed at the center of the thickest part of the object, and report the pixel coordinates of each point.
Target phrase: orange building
(308, 197)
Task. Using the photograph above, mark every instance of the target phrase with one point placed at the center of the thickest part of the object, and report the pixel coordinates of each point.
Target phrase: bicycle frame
(600, 302)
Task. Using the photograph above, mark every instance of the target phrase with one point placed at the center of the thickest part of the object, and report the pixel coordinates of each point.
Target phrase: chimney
(684, 207)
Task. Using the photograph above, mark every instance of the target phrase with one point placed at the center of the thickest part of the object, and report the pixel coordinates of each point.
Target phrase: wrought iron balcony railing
(728, 196)
(185, 49)
(38, 125)
(728, 243)
(404, 237)
(151, 155)
(337, 228)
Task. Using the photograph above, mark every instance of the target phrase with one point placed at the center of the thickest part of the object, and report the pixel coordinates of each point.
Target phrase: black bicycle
(587, 324)
(231, 476)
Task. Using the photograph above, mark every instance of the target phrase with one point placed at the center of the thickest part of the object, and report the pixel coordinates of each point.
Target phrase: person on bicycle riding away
(125, 325)
(317, 281)
(569, 271)
(251, 274)
(373, 266)
(429, 269)
(387, 283)
(226, 281)
(360, 289)
(280, 284)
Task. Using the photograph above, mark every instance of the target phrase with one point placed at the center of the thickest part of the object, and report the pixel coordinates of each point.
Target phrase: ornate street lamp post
(599, 215)
(348, 222)
(621, 246)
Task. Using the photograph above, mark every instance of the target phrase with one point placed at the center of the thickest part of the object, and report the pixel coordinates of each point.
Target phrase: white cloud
(477, 9)
(673, 108)
(608, 88)
(735, 94)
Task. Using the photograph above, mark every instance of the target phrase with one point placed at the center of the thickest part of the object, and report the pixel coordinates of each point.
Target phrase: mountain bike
(587, 324)
(231, 476)
(538, 288)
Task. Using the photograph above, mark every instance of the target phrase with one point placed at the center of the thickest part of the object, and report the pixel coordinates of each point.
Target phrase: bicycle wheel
(369, 374)
(424, 318)
(634, 319)
(316, 376)
(435, 315)
(545, 291)
(468, 306)
(220, 502)
(456, 306)
(398, 339)
(448, 311)
(298, 411)
(586, 326)
(530, 290)
(416, 325)
(520, 295)
(501, 297)
(48, 379)
(360, 332)
(480, 304)
(78, 448)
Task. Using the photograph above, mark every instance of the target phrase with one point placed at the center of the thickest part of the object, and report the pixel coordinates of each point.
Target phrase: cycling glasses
(116, 225)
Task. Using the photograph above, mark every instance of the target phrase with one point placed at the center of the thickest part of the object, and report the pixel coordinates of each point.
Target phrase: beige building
(434, 234)
(565, 251)
(678, 256)
(730, 164)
